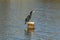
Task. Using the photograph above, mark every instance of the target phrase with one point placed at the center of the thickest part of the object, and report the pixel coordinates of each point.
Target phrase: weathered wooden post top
(30, 27)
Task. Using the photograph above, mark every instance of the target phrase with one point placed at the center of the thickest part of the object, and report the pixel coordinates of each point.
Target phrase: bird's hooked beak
(32, 11)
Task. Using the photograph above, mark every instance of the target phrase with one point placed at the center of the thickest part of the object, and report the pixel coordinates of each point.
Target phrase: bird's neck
(30, 14)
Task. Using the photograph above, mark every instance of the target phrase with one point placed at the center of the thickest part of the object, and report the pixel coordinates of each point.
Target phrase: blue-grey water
(46, 16)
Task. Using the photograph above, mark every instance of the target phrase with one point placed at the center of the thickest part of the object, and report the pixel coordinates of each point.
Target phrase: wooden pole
(30, 27)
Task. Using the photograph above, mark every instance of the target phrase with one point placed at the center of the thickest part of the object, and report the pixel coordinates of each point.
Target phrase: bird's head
(31, 12)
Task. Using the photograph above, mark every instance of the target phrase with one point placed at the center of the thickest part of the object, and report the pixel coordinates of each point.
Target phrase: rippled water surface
(46, 18)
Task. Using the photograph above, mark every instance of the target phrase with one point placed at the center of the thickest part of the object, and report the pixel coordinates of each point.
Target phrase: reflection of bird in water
(27, 19)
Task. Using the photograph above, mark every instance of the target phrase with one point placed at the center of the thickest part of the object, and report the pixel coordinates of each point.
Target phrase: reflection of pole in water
(29, 31)
(28, 36)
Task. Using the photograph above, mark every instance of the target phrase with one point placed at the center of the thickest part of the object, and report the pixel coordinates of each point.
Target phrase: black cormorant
(27, 19)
